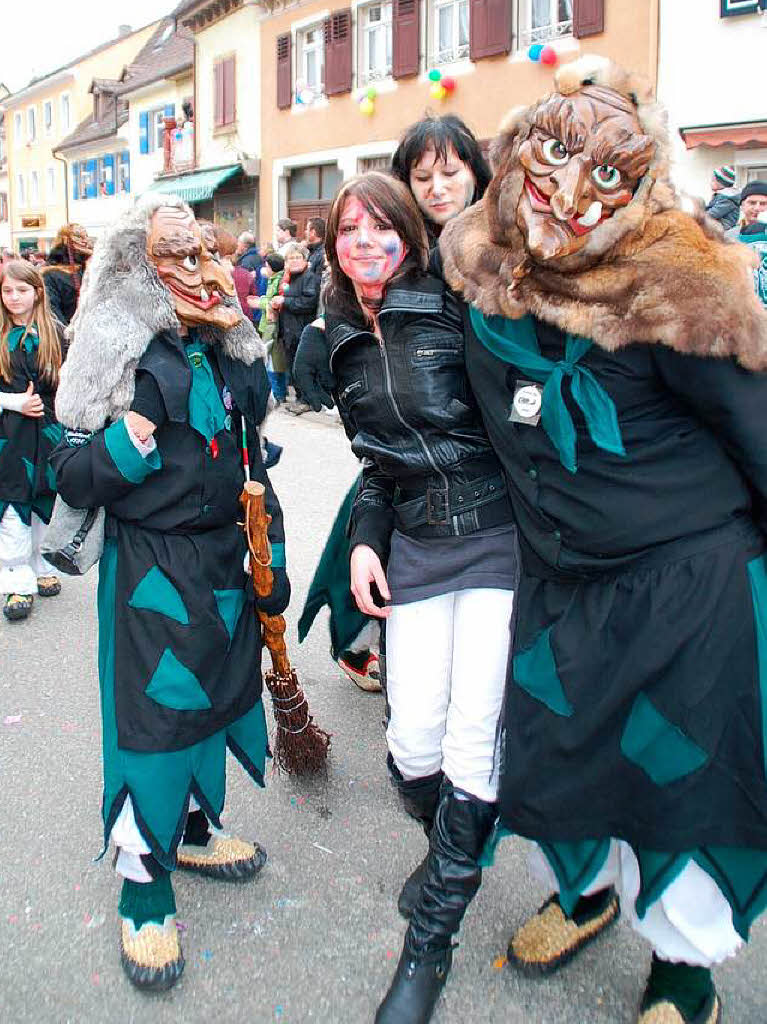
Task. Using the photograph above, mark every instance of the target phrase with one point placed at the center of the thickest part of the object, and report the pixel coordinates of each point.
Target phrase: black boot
(419, 798)
(462, 825)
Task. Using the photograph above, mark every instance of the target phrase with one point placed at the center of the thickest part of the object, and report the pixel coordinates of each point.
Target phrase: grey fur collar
(123, 305)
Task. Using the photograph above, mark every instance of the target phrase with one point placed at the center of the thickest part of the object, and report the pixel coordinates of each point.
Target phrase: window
(224, 90)
(48, 117)
(310, 60)
(730, 8)
(3, 207)
(65, 112)
(86, 179)
(544, 20)
(156, 129)
(375, 42)
(50, 185)
(373, 163)
(451, 31)
(34, 189)
(17, 125)
(756, 173)
(106, 176)
(123, 173)
(308, 184)
(31, 124)
(20, 190)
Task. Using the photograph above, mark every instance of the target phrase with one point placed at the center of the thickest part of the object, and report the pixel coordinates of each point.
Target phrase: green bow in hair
(515, 342)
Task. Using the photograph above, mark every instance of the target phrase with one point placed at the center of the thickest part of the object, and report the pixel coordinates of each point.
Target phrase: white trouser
(20, 560)
(690, 923)
(446, 674)
(130, 843)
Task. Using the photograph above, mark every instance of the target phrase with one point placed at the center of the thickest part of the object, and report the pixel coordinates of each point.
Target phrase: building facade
(716, 118)
(5, 210)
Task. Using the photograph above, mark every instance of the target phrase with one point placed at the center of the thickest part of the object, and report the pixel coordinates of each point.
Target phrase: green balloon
(435, 75)
(371, 93)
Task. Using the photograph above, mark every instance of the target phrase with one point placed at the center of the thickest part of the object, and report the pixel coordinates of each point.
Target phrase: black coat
(409, 412)
(299, 308)
(62, 284)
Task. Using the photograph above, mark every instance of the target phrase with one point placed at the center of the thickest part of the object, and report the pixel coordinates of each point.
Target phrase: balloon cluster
(367, 104)
(441, 85)
(540, 54)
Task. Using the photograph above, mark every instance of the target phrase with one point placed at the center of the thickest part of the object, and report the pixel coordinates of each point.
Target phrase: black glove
(276, 602)
(311, 369)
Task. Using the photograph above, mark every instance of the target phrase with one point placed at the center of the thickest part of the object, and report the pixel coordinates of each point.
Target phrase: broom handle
(257, 520)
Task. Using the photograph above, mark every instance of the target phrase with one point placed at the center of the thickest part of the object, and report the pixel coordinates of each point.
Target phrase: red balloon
(548, 55)
(447, 83)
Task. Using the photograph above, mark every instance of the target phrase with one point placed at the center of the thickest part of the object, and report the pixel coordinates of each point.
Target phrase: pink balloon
(548, 55)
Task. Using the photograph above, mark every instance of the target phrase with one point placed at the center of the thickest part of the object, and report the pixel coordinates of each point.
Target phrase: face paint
(582, 161)
(442, 188)
(189, 270)
(369, 250)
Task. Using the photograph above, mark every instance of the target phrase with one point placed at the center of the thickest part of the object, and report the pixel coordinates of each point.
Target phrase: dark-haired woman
(433, 508)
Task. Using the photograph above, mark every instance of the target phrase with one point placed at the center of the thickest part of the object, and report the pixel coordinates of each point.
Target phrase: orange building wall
(481, 98)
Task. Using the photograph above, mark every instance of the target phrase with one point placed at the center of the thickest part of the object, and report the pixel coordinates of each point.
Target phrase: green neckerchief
(515, 342)
(207, 414)
(30, 342)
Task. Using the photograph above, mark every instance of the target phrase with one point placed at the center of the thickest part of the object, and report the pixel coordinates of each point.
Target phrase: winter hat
(754, 188)
(725, 175)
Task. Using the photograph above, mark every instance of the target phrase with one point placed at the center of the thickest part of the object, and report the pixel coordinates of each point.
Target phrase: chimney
(123, 30)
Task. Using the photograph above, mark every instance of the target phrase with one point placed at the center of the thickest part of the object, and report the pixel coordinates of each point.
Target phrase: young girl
(433, 508)
(30, 360)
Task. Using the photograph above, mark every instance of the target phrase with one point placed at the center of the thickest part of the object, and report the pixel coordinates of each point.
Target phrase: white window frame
(365, 29)
(457, 51)
(50, 185)
(65, 106)
(48, 106)
(34, 189)
(31, 124)
(21, 191)
(301, 53)
(554, 29)
(156, 129)
(18, 129)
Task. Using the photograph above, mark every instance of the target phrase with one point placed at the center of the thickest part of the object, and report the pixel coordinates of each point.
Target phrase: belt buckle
(436, 507)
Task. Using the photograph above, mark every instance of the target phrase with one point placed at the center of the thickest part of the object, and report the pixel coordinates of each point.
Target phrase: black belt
(449, 508)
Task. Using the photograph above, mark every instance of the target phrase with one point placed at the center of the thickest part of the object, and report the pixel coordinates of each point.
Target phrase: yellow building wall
(482, 96)
(24, 157)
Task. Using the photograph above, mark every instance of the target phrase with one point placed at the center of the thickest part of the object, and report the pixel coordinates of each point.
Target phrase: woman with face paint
(433, 509)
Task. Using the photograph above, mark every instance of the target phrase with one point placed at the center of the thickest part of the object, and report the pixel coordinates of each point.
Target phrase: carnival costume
(63, 274)
(179, 644)
(617, 349)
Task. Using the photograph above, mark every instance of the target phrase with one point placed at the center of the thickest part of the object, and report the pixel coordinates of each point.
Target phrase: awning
(194, 188)
(744, 135)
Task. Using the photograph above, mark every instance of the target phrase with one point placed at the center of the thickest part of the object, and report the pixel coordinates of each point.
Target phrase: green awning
(194, 188)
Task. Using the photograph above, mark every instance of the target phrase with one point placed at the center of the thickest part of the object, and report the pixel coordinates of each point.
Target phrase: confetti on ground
(69, 726)
(95, 979)
(96, 922)
(389, 954)
(77, 888)
(499, 963)
(323, 848)
(207, 955)
(13, 919)
(181, 926)
(11, 719)
(278, 1011)
(286, 901)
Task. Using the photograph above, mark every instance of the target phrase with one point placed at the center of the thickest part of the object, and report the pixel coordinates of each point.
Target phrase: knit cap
(725, 175)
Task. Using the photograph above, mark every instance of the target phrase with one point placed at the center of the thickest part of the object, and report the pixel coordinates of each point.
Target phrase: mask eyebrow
(630, 152)
(557, 117)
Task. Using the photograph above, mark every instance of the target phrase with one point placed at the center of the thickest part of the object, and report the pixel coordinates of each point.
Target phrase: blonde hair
(295, 247)
(49, 346)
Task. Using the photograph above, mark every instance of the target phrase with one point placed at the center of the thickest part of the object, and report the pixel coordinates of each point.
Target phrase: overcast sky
(38, 36)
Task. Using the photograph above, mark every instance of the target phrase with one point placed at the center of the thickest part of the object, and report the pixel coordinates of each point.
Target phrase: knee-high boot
(419, 798)
(462, 825)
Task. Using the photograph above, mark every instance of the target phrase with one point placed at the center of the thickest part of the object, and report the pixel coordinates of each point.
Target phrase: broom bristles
(300, 746)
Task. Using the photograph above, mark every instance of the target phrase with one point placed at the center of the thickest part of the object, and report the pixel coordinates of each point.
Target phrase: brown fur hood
(651, 273)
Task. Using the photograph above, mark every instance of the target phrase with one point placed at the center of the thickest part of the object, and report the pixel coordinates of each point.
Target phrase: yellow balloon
(367, 107)
(438, 91)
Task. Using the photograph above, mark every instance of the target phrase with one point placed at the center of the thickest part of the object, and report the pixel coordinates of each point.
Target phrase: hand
(278, 302)
(33, 404)
(140, 426)
(365, 568)
(276, 602)
(311, 369)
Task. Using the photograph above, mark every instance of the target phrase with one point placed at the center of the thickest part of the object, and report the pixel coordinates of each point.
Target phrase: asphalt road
(317, 936)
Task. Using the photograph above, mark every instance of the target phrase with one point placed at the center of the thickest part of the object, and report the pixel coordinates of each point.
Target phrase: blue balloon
(534, 53)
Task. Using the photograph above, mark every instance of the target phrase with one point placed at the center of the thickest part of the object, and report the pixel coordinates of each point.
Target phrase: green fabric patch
(278, 556)
(141, 902)
(535, 670)
(657, 746)
(207, 414)
(657, 870)
(576, 864)
(54, 432)
(125, 455)
(741, 874)
(230, 604)
(30, 468)
(757, 574)
(3, 442)
(156, 593)
(174, 686)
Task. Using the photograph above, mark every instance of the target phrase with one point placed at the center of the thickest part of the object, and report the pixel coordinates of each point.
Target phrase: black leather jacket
(410, 414)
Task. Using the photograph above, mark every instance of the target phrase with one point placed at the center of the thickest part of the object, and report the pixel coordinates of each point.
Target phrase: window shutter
(489, 28)
(284, 76)
(143, 132)
(338, 53)
(90, 192)
(218, 94)
(230, 103)
(406, 37)
(588, 18)
(75, 180)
